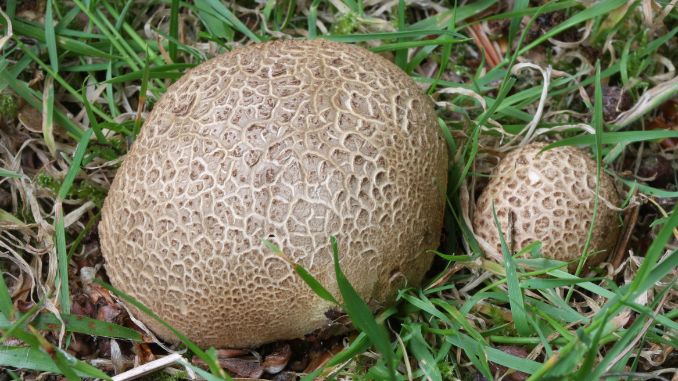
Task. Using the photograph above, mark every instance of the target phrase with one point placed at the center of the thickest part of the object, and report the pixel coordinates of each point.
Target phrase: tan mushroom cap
(548, 197)
(290, 141)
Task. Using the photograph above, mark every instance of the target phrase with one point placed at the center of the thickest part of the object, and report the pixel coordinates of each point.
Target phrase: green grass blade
(174, 29)
(458, 13)
(307, 277)
(110, 95)
(422, 354)
(13, 375)
(8, 217)
(62, 255)
(35, 359)
(218, 30)
(514, 291)
(624, 63)
(113, 37)
(312, 19)
(202, 373)
(661, 269)
(648, 190)
(120, 17)
(552, 6)
(314, 284)
(10, 8)
(89, 227)
(11, 174)
(172, 71)
(419, 33)
(88, 326)
(75, 165)
(598, 9)
(142, 98)
(416, 44)
(231, 19)
(57, 356)
(506, 86)
(6, 306)
(622, 137)
(518, 6)
(64, 43)
(598, 126)
(78, 324)
(62, 260)
(12, 327)
(537, 284)
(425, 305)
(444, 63)
(50, 39)
(494, 355)
(101, 139)
(643, 280)
(357, 346)
(459, 319)
(401, 54)
(66, 20)
(81, 367)
(360, 314)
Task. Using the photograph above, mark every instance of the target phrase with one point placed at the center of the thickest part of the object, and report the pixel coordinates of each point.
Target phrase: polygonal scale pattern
(549, 197)
(289, 141)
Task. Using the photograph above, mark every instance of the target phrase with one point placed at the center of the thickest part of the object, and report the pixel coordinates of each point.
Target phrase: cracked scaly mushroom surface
(548, 197)
(290, 141)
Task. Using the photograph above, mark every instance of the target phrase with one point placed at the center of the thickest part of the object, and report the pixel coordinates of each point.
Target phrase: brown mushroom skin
(289, 141)
(548, 197)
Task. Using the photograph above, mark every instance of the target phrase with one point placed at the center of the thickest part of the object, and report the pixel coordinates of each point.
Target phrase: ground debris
(615, 101)
(277, 360)
(509, 373)
(238, 367)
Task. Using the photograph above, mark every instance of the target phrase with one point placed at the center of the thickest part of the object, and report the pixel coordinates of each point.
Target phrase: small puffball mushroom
(548, 197)
(290, 142)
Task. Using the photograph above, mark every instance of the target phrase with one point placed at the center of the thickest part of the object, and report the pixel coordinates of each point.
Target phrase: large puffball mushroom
(548, 196)
(290, 142)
